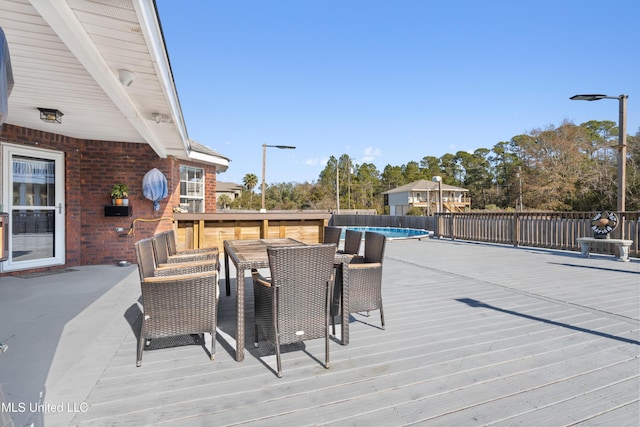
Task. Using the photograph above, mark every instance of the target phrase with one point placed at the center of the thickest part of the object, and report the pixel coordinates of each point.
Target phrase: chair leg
(255, 335)
(141, 343)
(278, 361)
(326, 349)
(213, 345)
(381, 315)
(333, 325)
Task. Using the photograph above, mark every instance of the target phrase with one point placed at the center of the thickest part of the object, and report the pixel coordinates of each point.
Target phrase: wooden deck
(476, 335)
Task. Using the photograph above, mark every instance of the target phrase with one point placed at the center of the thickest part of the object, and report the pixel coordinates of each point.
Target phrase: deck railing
(553, 230)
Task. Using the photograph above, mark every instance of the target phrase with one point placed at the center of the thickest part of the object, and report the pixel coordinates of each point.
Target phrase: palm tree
(224, 201)
(250, 181)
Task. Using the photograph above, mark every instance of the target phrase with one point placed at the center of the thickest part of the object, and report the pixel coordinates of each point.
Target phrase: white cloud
(370, 154)
(315, 162)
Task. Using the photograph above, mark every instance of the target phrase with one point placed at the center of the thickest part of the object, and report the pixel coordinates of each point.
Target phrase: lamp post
(337, 187)
(438, 179)
(264, 165)
(622, 143)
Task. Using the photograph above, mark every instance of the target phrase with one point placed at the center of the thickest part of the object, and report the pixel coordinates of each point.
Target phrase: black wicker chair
(180, 299)
(363, 279)
(293, 305)
(332, 235)
(352, 240)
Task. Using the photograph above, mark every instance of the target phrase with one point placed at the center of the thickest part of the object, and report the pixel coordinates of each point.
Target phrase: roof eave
(62, 20)
(150, 25)
(221, 163)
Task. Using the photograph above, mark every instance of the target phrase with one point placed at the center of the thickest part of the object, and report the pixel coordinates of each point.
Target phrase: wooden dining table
(248, 254)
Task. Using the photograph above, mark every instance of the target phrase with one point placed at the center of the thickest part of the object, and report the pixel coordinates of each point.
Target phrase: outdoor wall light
(126, 77)
(50, 115)
(160, 118)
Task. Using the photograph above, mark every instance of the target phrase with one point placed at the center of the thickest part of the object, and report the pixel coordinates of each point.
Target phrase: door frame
(59, 241)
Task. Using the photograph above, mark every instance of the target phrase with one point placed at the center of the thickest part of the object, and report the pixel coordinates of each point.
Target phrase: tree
(250, 181)
(633, 172)
(559, 167)
(224, 201)
(565, 167)
(368, 186)
(430, 166)
(411, 172)
(478, 177)
(392, 177)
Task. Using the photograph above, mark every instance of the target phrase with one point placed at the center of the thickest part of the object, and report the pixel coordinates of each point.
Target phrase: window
(192, 189)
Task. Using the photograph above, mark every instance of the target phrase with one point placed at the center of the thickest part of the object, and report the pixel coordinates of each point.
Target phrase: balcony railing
(553, 230)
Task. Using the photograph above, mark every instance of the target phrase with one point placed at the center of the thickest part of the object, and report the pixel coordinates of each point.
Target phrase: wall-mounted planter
(118, 211)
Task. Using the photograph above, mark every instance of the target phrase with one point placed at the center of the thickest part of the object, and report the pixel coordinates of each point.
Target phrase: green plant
(120, 191)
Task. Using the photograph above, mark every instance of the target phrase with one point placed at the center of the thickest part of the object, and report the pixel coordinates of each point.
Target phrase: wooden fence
(553, 230)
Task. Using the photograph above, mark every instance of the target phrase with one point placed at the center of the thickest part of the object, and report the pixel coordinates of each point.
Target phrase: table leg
(584, 249)
(240, 314)
(226, 273)
(344, 303)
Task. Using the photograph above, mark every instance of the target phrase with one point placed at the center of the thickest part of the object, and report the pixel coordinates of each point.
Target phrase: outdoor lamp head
(588, 97)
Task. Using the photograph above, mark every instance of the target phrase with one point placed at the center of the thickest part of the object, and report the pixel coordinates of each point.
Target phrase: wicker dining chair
(332, 235)
(352, 241)
(164, 255)
(173, 251)
(293, 305)
(180, 299)
(362, 276)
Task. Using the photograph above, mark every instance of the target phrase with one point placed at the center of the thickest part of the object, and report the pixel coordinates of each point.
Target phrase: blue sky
(392, 81)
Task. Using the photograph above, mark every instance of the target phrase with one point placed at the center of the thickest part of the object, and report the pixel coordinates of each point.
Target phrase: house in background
(425, 195)
(231, 189)
(93, 104)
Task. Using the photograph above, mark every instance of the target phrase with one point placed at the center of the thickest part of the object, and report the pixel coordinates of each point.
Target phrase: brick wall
(91, 169)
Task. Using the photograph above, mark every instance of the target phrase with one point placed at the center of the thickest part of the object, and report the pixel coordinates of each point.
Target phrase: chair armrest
(201, 256)
(259, 278)
(363, 265)
(186, 264)
(173, 269)
(197, 251)
(177, 277)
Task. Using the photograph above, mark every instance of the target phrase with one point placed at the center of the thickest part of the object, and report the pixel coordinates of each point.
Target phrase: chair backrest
(146, 258)
(332, 235)
(302, 275)
(160, 247)
(374, 244)
(171, 241)
(352, 240)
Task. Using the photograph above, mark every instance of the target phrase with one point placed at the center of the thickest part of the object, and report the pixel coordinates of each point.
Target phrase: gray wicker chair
(352, 240)
(172, 247)
(180, 299)
(293, 305)
(363, 279)
(163, 253)
(332, 235)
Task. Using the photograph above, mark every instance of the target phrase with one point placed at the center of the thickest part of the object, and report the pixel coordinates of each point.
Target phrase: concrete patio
(476, 334)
